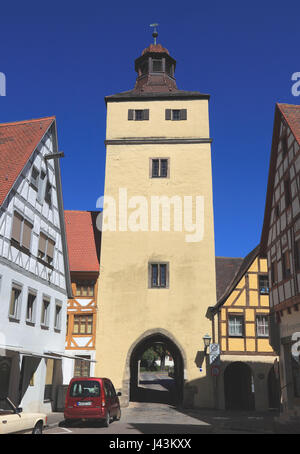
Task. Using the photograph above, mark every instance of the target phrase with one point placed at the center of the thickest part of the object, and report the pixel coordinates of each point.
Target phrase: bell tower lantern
(155, 69)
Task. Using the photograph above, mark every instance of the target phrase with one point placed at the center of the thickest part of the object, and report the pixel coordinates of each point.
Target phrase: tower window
(158, 275)
(157, 65)
(159, 168)
(138, 114)
(176, 114)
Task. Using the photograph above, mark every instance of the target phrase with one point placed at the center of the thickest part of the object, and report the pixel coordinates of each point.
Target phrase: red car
(92, 398)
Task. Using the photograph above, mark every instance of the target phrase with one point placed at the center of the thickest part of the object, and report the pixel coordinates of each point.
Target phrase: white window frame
(57, 326)
(234, 325)
(18, 303)
(45, 322)
(33, 317)
(264, 325)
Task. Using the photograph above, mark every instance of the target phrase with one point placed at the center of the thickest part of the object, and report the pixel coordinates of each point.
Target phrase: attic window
(157, 65)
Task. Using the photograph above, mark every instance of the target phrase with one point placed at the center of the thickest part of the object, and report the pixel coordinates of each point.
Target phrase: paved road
(164, 418)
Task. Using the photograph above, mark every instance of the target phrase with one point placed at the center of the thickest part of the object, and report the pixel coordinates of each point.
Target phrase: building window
(48, 193)
(45, 313)
(284, 143)
(42, 186)
(85, 288)
(273, 272)
(34, 178)
(30, 310)
(263, 284)
(286, 267)
(83, 324)
(46, 248)
(159, 168)
(176, 114)
(297, 254)
(138, 114)
(159, 275)
(57, 316)
(21, 231)
(82, 368)
(262, 326)
(287, 192)
(15, 302)
(236, 325)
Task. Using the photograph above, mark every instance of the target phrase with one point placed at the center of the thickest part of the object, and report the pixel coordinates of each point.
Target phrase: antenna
(154, 34)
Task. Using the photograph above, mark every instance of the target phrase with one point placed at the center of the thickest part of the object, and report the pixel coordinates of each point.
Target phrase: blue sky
(61, 58)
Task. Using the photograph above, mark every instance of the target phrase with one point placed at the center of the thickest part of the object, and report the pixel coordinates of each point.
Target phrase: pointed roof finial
(155, 33)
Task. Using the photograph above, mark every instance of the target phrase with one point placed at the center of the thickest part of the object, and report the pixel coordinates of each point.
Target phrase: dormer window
(157, 65)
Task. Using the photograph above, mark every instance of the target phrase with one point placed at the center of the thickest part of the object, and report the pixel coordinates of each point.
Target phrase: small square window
(263, 284)
(236, 326)
(262, 326)
(159, 168)
(159, 275)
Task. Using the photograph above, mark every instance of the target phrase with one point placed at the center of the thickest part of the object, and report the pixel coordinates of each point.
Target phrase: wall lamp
(206, 339)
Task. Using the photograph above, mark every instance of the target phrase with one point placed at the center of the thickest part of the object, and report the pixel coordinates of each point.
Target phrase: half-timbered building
(245, 378)
(34, 272)
(83, 240)
(280, 243)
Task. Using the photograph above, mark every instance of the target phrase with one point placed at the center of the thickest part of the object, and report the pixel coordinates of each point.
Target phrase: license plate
(84, 404)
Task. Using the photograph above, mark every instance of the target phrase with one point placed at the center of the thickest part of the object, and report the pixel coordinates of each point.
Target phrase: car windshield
(85, 389)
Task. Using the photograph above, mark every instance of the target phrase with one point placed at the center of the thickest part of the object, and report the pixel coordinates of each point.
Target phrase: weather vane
(154, 34)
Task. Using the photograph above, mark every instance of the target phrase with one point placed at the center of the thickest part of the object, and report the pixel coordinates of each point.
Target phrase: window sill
(30, 323)
(43, 262)
(17, 245)
(13, 319)
(44, 327)
(57, 330)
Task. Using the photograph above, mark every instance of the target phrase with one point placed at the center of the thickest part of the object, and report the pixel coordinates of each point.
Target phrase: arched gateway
(131, 383)
(157, 247)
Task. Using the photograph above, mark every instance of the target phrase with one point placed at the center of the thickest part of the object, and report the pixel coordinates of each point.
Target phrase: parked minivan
(92, 398)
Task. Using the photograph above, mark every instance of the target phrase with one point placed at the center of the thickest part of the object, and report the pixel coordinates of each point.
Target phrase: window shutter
(146, 114)
(50, 249)
(16, 229)
(42, 244)
(130, 114)
(168, 114)
(27, 228)
(183, 114)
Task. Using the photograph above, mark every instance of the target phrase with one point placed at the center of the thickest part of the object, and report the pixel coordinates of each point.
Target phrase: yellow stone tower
(157, 270)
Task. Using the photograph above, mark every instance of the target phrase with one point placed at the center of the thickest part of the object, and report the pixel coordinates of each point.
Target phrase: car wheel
(38, 429)
(107, 420)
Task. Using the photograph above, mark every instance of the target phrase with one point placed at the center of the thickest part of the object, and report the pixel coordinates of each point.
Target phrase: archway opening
(156, 371)
(239, 387)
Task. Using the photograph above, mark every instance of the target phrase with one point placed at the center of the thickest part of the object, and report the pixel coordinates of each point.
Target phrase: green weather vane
(155, 33)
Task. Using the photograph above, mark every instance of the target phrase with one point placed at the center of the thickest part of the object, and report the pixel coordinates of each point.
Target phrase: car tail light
(103, 403)
(46, 421)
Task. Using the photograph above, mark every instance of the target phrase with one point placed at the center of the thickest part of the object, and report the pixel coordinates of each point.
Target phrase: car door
(114, 400)
(9, 423)
(107, 392)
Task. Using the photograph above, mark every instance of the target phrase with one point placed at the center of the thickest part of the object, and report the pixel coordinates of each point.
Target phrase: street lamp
(206, 339)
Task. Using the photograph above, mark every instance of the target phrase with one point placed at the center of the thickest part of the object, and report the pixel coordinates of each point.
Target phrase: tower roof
(155, 78)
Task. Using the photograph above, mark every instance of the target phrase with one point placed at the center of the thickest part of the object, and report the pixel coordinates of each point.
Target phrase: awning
(64, 355)
(47, 354)
(22, 351)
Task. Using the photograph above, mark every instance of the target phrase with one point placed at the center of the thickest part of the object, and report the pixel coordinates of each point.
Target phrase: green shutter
(168, 114)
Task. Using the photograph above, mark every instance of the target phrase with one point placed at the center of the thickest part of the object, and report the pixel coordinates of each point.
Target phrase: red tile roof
(291, 114)
(83, 240)
(17, 142)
